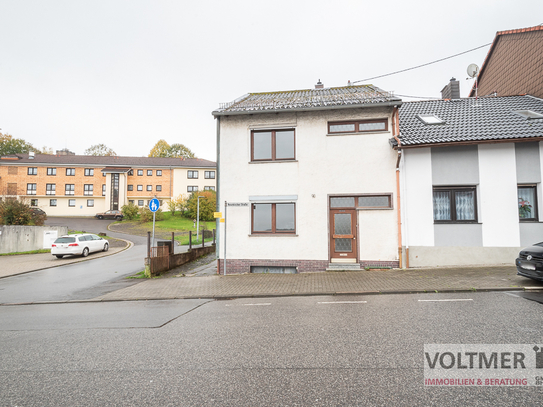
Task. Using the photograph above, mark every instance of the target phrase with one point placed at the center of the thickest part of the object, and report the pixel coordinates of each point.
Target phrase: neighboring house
(471, 179)
(513, 65)
(310, 180)
(82, 185)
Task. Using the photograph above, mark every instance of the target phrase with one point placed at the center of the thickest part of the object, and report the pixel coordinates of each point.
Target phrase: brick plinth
(240, 266)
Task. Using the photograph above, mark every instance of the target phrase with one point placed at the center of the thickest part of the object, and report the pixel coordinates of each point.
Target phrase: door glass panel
(342, 202)
(342, 224)
(343, 245)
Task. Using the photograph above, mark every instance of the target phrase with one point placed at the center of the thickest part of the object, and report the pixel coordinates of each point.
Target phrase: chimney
(452, 90)
(65, 151)
(319, 85)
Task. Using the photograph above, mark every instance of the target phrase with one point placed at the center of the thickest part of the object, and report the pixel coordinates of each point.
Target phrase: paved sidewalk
(327, 283)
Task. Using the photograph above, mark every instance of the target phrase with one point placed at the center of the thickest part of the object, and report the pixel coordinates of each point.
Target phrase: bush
(130, 211)
(147, 216)
(208, 205)
(16, 212)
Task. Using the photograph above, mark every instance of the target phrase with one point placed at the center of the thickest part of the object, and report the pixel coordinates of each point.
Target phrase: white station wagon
(80, 244)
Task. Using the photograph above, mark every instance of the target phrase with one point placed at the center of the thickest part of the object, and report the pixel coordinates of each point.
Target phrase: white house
(309, 180)
(471, 174)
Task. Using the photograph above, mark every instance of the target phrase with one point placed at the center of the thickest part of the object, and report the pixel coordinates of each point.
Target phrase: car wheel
(100, 217)
(59, 256)
(85, 252)
(106, 247)
(119, 217)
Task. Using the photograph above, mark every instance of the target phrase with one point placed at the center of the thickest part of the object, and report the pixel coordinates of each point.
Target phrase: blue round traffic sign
(154, 205)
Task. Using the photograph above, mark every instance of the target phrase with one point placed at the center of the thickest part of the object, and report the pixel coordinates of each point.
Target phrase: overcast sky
(127, 73)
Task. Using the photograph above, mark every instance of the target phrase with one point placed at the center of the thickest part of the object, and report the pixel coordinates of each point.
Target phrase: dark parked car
(110, 215)
(38, 211)
(530, 262)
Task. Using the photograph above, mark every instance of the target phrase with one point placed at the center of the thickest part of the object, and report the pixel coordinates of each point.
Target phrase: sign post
(154, 204)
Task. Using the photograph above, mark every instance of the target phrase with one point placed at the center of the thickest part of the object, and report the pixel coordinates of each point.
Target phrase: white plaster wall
(497, 199)
(324, 165)
(80, 209)
(417, 201)
(539, 189)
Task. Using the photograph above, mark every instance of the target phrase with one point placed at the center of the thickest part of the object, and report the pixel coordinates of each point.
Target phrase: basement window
(430, 119)
(528, 114)
(273, 270)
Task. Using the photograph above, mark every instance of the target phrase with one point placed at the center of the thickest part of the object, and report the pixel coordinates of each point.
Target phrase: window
(159, 187)
(90, 202)
(149, 173)
(32, 170)
(209, 174)
(209, 188)
(71, 202)
(192, 174)
(50, 189)
(103, 174)
(130, 187)
(140, 173)
(192, 188)
(430, 119)
(51, 171)
(130, 172)
(52, 202)
(273, 218)
(103, 189)
(89, 172)
(69, 189)
(375, 201)
(88, 189)
(527, 203)
(33, 202)
(358, 126)
(70, 171)
(272, 145)
(149, 187)
(159, 173)
(455, 205)
(140, 187)
(31, 189)
(140, 202)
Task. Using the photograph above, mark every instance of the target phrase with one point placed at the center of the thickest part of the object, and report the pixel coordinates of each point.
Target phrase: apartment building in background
(82, 185)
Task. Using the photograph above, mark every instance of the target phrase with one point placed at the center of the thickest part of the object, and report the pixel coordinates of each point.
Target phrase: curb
(239, 296)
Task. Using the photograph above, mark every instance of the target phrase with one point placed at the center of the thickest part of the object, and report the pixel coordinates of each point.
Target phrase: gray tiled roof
(308, 99)
(467, 120)
(49, 159)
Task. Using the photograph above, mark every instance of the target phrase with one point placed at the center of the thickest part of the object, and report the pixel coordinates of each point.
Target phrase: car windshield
(65, 240)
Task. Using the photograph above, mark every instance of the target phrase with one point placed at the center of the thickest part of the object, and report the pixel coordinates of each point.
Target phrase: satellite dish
(473, 70)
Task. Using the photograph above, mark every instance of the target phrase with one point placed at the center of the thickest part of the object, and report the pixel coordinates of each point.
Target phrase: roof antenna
(473, 72)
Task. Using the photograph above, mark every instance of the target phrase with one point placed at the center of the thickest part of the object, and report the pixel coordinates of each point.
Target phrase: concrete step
(343, 267)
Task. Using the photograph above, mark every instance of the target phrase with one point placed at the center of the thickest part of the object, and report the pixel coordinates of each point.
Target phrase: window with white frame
(31, 189)
(527, 203)
(274, 218)
(455, 204)
(50, 189)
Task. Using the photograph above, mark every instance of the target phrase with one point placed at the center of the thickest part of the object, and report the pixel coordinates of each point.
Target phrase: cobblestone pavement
(329, 283)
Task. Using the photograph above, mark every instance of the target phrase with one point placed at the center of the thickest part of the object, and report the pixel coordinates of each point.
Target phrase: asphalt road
(295, 351)
(78, 281)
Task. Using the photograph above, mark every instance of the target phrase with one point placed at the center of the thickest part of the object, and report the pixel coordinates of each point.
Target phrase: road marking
(512, 295)
(450, 300)
(342, 302)
(262, 303)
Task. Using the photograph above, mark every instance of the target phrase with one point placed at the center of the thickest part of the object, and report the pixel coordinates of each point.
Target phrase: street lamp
(198, 218)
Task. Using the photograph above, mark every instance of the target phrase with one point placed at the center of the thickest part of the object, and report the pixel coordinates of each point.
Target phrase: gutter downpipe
(395, 133)
(218, 195)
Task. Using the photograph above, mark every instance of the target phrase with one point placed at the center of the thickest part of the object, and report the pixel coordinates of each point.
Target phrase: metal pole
(225, 205)
(198, 218)
(153, 229)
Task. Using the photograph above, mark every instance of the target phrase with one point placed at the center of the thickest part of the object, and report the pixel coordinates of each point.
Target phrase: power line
(418, 97)
(420, 66)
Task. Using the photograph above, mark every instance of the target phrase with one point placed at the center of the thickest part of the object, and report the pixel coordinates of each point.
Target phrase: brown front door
(343, 245)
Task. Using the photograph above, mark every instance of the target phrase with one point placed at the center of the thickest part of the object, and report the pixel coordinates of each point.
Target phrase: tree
(101, 150)
(10, 145)
(163, 149)
(46, 150)
(207, 205)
